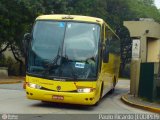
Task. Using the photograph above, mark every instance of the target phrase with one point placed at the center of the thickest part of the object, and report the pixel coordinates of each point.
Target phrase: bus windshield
(66, 50)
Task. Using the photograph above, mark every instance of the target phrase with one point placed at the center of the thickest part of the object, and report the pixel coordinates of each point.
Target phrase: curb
(148, 108)
(10, 82)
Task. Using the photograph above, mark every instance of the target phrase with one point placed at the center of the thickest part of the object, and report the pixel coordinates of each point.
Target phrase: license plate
(57, 97)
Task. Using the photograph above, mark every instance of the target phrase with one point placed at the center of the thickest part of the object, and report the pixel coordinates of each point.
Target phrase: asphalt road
(13, 100)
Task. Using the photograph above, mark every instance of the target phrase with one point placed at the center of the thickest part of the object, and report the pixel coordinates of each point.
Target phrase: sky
(157, 3)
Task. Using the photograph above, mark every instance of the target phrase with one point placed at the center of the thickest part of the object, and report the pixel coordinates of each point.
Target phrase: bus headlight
(32, 85)
(85, 90)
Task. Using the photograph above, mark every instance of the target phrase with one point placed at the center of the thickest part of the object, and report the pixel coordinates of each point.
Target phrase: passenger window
(112, 42)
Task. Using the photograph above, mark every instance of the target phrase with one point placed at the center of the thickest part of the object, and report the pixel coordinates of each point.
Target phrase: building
(145, 64)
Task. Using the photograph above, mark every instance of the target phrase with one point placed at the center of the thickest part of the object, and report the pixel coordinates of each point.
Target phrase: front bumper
(68, 97)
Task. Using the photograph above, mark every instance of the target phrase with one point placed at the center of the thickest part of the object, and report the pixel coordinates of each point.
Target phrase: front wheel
(100, 97)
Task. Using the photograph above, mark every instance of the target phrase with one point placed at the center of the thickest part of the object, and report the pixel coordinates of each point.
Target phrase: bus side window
(102, 37)
(112, 42)
(106, 47)
(115, 45)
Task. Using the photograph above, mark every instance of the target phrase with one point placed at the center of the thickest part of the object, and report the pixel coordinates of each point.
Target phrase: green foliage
(12, 67)
(3, 62)
(125, 73)
(17, 17)
(144, 9)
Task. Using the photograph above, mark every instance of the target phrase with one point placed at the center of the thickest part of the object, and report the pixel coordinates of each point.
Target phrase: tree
(17, 17)
(4, 23)
(148, 2)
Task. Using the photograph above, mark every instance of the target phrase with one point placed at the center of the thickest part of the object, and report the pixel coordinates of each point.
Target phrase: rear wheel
(114, 84)
(112, 90)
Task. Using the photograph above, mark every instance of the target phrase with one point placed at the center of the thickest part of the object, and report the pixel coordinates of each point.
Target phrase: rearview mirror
(26, 41)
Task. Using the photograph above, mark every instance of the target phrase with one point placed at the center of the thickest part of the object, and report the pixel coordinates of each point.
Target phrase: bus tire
(112, 90)
(114, 84)
(46, 102)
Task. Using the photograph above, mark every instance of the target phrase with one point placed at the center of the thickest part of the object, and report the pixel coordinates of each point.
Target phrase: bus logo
(58, 88)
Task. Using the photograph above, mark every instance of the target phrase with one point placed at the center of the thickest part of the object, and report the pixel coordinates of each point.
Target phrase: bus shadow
(64, 106)
(84, 108)
(71, 106)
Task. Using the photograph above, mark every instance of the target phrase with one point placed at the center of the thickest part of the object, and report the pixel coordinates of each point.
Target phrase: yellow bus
(71, 59)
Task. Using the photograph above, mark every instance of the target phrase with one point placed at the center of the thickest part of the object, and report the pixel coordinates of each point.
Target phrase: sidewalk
(140, 103)
(11, 80)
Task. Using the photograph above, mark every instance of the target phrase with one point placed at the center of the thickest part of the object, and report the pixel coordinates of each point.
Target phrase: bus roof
(70, 18)
(74, 18)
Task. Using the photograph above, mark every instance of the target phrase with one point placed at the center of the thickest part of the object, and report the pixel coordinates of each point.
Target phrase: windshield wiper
(55, 60)
(54, 63)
